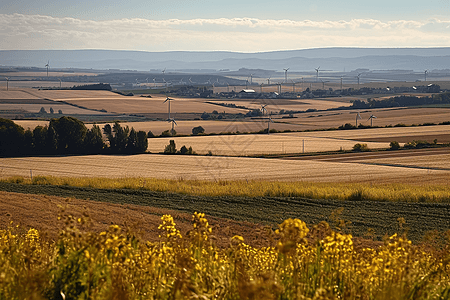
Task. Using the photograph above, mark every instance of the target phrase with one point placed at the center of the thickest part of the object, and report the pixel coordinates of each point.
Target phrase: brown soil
(42, 211)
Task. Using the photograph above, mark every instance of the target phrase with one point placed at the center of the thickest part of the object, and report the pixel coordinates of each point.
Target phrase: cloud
(18, 31)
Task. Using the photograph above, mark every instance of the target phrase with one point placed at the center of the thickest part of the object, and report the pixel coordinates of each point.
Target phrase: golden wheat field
(384, 117)
(377, 133)
(275, 105)
(214, 168)
(441, 161)
(259, 144)
(155, 105)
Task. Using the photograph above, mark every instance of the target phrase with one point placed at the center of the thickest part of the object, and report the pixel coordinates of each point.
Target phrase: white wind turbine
(317, 74)
(263, 109)
(47, 66)
(269, 120)
(168, 100)
(285, 75)
(358, 117)
(7, 83)
(172, 120)
(358, 76)
(371, 120)
(426, 72)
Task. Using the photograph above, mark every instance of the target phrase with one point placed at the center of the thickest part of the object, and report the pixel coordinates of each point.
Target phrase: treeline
(402, 101)
(68, 135)
(93, 87)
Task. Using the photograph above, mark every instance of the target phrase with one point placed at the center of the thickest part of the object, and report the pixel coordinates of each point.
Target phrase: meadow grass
(299, 263)
(256, 188)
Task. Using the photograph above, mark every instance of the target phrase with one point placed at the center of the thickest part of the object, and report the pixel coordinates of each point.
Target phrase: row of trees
(402, 101)
(68, 135)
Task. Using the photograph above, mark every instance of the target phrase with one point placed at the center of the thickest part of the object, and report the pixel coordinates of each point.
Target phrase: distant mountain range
(329, 59)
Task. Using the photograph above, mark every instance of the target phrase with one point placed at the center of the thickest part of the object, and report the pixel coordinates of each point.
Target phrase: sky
(211, 25)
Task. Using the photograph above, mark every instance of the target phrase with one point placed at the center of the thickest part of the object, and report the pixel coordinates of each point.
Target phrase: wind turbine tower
(317, 74)
(426, 72)
(7, 83)
(263, 109)
(358, 117)
(47, 66)
(285, 75)
(359, 75)
(269, 120)
(168, 100)
(172, 120)
(371, 120)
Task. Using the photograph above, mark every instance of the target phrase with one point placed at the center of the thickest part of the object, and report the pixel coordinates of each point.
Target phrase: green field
(381, 217)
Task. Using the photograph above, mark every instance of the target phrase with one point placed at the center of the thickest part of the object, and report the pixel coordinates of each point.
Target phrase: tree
(121, 137)
(132, 140)
(360, 147)
(394, 145)
(40, 139)
(51, 141)
(70, 134)
(42, 111)
(171, 148)
(107, 130)
(141, 142)
(60, 112)
(198, 130)
(93, 143)
(183, 150)
(11, 138)
(51, 110)
(27, 142)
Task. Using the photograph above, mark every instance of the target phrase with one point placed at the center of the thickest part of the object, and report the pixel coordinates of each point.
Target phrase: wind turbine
(263, 108)
(168, 100)
(426, 72)
(268, 81)
(341, 82)
(7, 83)
(260, 87)
(47, 66)
(269, 120)
(285, 75)
(172, 120)
(293, 86)
(358, 76)
(358, 117)
(251, 79)
(317, 75)
(60, 83)
(371, 120)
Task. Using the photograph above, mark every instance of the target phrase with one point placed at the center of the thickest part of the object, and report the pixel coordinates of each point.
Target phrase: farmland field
(217, 168)
(245, 145)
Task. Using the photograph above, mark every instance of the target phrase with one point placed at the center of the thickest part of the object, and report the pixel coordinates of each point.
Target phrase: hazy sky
(245, 26)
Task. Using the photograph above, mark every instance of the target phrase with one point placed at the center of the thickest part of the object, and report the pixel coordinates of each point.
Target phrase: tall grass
(301, 263)
(255, 188)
